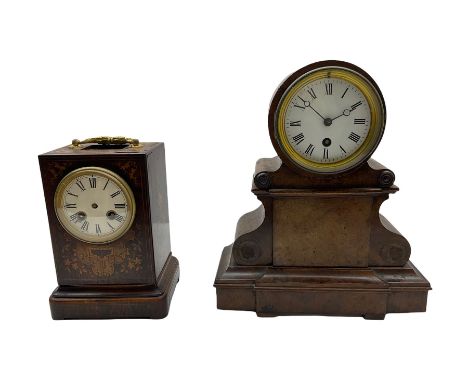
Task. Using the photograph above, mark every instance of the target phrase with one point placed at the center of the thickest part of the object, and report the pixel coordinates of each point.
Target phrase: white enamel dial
(327, 117)
(94, 205)
(327, 120)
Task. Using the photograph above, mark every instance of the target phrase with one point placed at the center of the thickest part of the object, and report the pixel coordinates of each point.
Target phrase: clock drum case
(318, 245)
(106, 200)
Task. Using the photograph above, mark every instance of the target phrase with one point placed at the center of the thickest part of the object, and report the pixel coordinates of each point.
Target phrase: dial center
(94, 205)
(327, 121)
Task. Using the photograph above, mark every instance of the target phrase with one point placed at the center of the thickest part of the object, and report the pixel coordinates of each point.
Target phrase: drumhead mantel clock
(106, 199)
(318, 244)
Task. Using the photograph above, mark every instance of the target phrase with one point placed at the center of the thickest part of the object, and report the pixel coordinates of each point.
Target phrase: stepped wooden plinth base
(370, 292)
(104, 302)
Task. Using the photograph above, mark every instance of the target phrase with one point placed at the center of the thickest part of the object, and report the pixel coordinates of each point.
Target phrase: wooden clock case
(318, 245)
(132, 277)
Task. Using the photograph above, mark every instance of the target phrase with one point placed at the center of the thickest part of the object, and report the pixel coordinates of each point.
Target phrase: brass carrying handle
(107, 141)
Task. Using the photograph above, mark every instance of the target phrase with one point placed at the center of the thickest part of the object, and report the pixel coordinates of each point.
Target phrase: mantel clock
(106, 199)
(317, 244)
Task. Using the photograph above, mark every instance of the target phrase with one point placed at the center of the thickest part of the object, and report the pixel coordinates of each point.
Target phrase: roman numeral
(98, 229)
(359, 121)
(110, 225)
(312, 93)
(354, 137)
(119, 218)
(92, 182)
(309, 149)
(302, 99)
(106, 184)
(299, 106)
(120, 205)
(344, 92)
(329, 88)
(325, 153)
(356, 105)
(80, 185)
(71, 194)
(342, 149)
(298, 138)
(115, 194)
(70, 205)
(294, 123)
(84, 226)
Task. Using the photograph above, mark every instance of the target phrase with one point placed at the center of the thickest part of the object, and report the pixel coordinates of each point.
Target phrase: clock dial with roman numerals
(328, 119)
(94, 205)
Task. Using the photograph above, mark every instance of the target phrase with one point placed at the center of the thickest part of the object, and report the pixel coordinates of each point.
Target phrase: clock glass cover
(330, 119)
(94, 205)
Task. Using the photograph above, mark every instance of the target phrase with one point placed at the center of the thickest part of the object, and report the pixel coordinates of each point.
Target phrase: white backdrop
(199, 76)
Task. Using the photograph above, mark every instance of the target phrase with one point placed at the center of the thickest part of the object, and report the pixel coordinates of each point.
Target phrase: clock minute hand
(320, 115)
(307, 104)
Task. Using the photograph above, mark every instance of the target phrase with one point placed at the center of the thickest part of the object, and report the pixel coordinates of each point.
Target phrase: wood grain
(136, 259)
(319, 246)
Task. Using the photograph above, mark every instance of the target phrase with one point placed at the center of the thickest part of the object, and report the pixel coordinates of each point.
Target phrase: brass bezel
(376, 127)
(119, 181)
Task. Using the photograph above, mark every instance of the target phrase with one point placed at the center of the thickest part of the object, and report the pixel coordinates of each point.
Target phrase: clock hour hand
(348, 111)
(345, 112)
(307, 104)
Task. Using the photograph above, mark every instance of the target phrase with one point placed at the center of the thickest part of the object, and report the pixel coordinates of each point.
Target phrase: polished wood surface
(116, 301)
(136, 259)
(369, 292)
(318, 245)
(272, 173)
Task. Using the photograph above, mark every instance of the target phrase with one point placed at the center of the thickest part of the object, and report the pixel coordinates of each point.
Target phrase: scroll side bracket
(253, 239)
(388, 247)
(271, 173)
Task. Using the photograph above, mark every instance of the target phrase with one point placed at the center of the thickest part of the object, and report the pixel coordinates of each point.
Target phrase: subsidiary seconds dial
(327, 117)
(94, 205)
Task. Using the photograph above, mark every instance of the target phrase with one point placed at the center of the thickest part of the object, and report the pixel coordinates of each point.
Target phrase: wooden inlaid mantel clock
(318, 245)
(106, 199)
